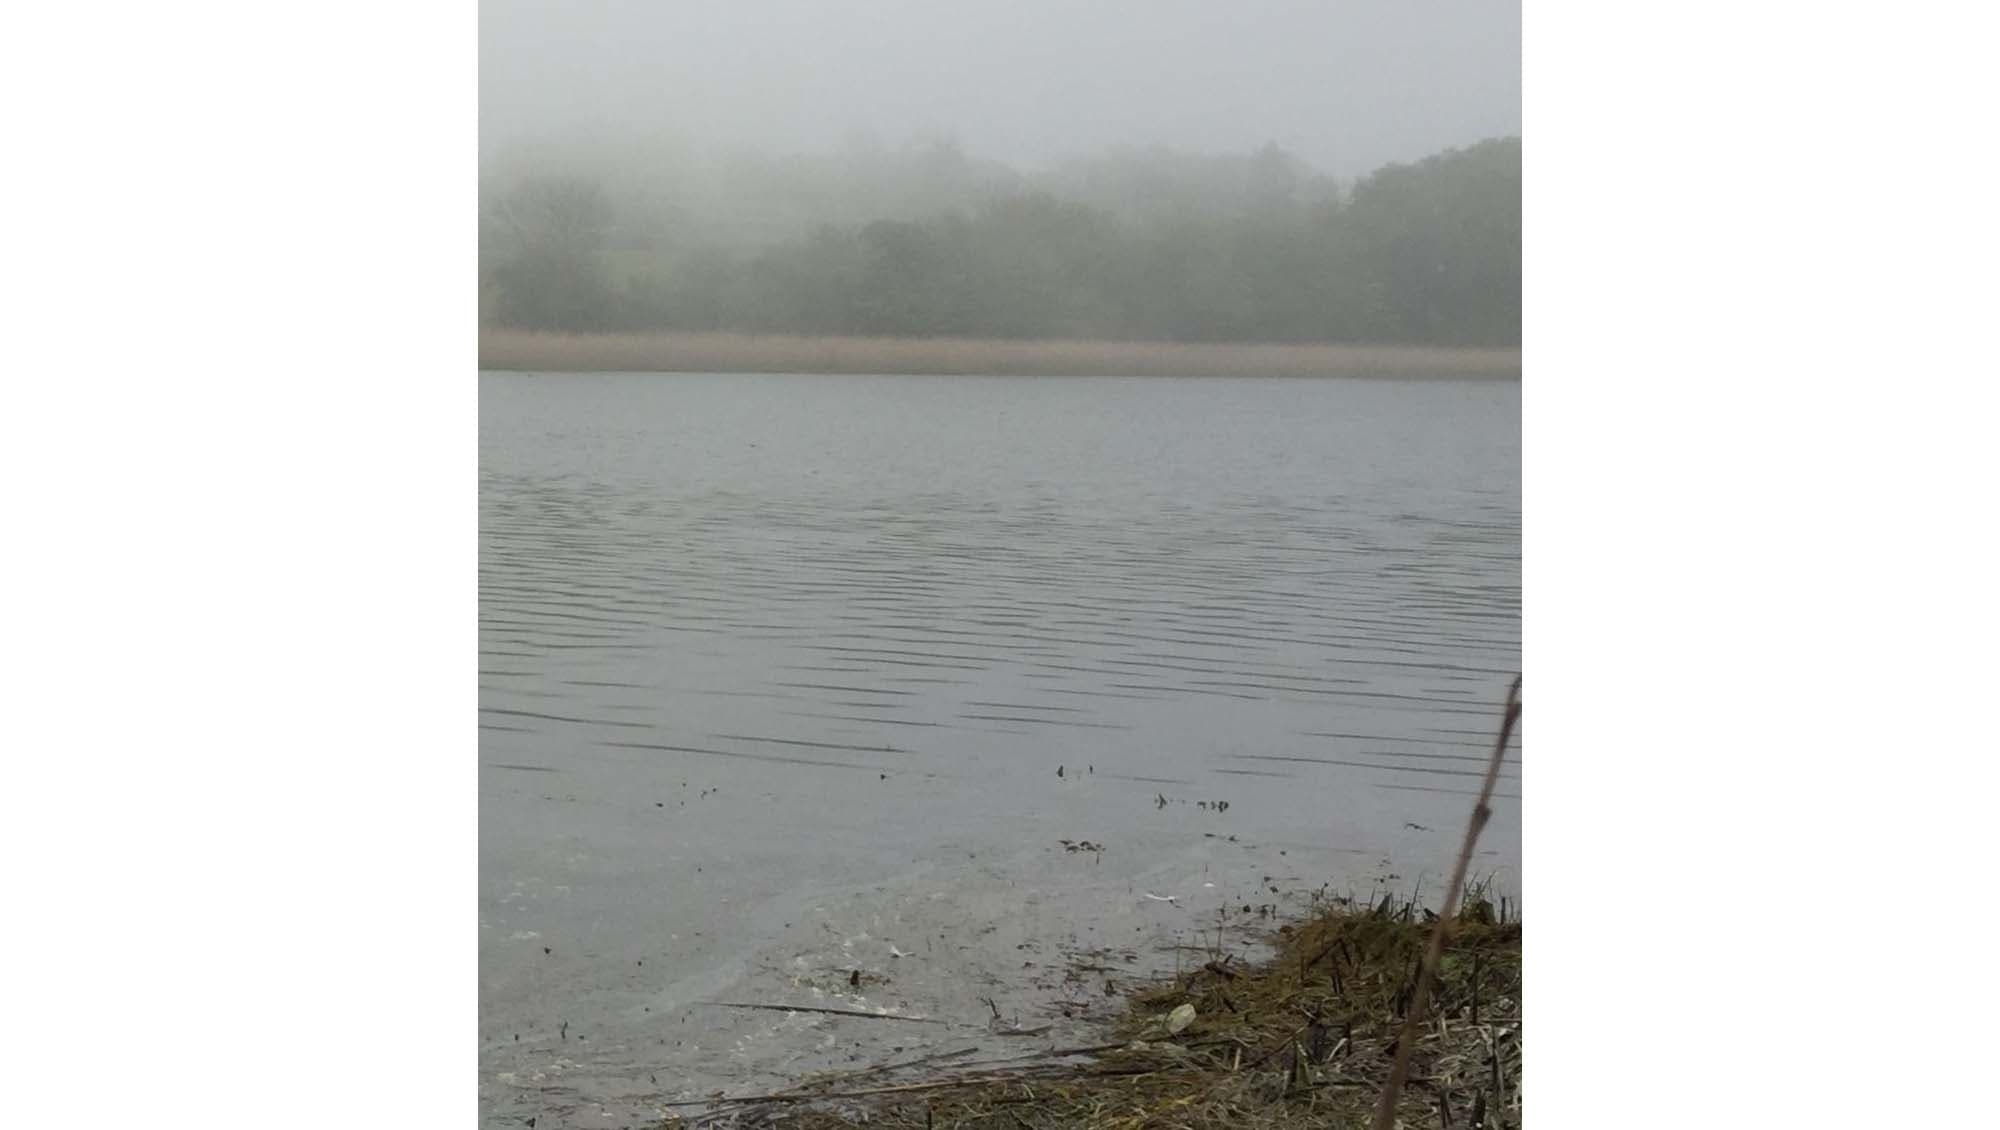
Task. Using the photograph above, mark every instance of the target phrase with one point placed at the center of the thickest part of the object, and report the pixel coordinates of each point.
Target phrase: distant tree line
(1428, 252)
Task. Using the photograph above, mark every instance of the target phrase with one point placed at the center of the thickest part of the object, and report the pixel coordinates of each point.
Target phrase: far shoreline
(526, 351)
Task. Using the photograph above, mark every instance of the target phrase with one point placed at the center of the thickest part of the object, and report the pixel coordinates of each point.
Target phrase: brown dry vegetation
(771, 353)
(1305, 1038)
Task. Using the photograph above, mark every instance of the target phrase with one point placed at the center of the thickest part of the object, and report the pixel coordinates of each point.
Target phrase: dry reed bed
(748, 353)
(1305, 1038)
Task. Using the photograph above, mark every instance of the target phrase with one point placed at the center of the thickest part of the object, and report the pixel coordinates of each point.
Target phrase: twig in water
(828, 1011)
(1385, 1111)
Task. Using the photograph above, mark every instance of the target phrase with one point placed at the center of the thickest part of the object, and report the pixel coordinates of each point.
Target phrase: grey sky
(1346, 84)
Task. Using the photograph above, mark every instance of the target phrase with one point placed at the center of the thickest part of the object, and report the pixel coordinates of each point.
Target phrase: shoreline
(1299, 1035)
(526, 351)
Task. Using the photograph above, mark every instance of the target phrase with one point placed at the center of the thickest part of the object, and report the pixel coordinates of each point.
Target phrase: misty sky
(1346, 84)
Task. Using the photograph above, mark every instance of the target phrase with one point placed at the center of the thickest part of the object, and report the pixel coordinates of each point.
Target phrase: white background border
(240, 464)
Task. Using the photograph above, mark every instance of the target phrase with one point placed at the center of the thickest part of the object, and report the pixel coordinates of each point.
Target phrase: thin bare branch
(1385, 1111)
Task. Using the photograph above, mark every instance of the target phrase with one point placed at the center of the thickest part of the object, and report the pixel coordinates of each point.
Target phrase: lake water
(792, 681)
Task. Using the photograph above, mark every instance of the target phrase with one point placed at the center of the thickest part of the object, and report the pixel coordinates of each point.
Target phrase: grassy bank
(747, 353)
(1303, 1038)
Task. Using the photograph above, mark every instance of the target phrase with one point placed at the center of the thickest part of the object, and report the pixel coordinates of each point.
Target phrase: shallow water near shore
(911, 694)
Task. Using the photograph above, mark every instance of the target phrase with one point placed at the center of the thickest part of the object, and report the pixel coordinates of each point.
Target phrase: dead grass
(1305, 1038)
(747, 353)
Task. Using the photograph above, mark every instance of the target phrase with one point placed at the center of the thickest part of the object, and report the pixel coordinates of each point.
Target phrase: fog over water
(1126, 172)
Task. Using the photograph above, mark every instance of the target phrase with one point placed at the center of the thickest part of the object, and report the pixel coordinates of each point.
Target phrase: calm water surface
(788, 677)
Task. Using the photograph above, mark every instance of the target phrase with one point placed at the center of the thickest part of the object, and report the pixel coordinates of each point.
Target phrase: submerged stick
(828, 1011)
(1385, 1111)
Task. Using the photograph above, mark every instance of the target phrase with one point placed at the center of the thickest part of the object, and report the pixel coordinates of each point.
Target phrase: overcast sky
(1346, 84)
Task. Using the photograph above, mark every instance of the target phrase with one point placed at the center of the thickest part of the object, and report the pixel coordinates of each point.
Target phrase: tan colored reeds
(773, 353)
